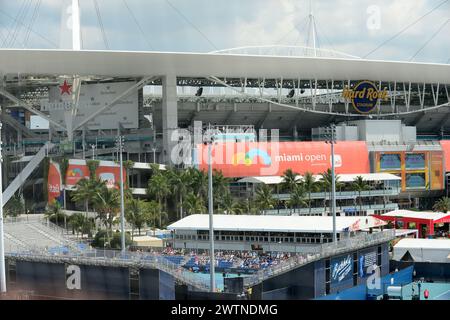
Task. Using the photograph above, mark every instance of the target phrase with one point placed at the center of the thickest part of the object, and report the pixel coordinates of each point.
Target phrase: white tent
(423, 250)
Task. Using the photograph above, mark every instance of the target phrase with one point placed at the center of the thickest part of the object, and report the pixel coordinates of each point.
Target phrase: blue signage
(366, 261)
(341, 269)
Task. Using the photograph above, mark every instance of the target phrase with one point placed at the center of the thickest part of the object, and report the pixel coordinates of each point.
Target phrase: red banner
(76, 171)
(54, 182)
(445, 144)
(273, 158)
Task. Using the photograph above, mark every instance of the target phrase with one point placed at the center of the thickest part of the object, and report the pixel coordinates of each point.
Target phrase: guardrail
(111, 258)
(322, 251)
(346, 194)
(321, 210)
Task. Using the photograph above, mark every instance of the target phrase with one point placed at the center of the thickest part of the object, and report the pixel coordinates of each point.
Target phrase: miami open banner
(245, 159)
(107, 171)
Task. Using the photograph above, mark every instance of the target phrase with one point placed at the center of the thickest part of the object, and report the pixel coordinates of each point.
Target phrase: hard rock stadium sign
(364, 96)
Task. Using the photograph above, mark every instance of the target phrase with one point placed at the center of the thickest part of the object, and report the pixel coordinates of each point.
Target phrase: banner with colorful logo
(245, 159)
(106, 171)
(54, 182)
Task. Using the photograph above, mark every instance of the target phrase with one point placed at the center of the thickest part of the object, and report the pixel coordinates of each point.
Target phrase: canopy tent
(425, 218)
(422, 250)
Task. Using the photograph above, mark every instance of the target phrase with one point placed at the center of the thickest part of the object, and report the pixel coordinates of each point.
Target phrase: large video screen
(390, 161)
(415, 160)
(415, 180)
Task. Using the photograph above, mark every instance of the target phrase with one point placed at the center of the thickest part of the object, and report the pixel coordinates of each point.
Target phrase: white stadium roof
(137, 64)
(342, 178)
(428, 215)
(274, 223)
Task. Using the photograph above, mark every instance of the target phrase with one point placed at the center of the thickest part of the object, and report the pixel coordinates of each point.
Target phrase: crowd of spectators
(240, 259)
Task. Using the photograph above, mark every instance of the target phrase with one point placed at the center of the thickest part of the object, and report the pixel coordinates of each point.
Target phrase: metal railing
(322, 210)
(320, 252)
(110, 258)
(347, 194)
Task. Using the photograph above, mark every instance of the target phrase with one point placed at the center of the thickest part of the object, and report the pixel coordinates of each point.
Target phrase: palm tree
(297, 198)
(230, 206)
(15, 206)
(92, 167)
(289, 180)
(179, 182)
(136, 214)
(247, 206)
(359, 185)
(194, 204)
(153, 210)
(326, 181)
(85, 191)
(80, 224)
(264, 198)
(199, 183)
(107, 204)
(54, 212)
(159, 188)
(442, 205)
(128, 165)
(310, 185)
(221, 187)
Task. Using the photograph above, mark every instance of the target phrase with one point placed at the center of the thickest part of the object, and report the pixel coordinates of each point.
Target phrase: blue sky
(350, 26)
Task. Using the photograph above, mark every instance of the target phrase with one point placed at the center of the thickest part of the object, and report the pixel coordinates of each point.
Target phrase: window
(415, 180)
(415, 161)
(390, 161)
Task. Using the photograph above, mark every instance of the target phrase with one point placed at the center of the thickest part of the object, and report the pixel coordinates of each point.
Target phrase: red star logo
(65, 88)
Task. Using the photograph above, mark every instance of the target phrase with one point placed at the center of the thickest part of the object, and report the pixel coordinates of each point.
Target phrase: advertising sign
(246, 159)
(364, 96)
(76, 171)
(437, 173)
(54, 182)
(365, 261)
(341, 269)
(92, 98)
(445, 144)
(106, 171)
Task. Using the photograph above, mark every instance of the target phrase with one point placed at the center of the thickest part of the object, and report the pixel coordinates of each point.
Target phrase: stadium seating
(35, 236)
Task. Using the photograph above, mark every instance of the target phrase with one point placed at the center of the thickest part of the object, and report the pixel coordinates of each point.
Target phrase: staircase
(34, 236)
(26, 172)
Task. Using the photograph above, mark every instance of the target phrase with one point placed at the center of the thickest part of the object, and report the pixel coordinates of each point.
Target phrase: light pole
(120, 141)
(331, 139)
(154, 155)
(93, 151)
(209, 140)
(2, 239)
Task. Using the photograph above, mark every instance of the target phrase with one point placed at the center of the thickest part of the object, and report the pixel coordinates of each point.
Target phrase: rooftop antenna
(312, 28)
(76, 28)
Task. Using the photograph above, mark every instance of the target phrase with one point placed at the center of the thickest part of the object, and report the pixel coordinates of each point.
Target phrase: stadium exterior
(297, 95)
